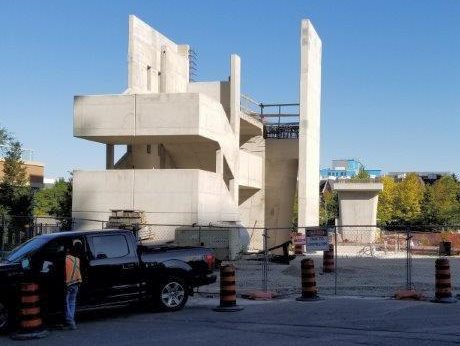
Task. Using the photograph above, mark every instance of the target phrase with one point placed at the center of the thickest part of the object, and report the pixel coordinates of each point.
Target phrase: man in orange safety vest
(72, 282)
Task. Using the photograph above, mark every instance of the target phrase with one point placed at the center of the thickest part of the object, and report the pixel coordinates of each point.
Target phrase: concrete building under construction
(199, 152)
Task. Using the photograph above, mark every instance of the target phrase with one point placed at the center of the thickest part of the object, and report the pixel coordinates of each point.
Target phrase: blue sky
(391, 70)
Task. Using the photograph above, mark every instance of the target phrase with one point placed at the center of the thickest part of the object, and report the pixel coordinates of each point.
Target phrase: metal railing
(281, 120)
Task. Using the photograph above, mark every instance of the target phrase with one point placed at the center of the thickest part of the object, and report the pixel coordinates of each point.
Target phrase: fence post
(408, 260)
(265, 262)
(335, 259)
(2, 234)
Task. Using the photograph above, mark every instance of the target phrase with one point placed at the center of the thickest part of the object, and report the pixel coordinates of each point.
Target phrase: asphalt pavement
(333, 321)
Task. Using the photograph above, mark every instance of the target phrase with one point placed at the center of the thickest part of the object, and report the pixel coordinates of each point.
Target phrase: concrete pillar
(358, 207)
(109, 156)
(309, 131)
(162, 155)
(219, 162)
(235, 101)
(235, 93)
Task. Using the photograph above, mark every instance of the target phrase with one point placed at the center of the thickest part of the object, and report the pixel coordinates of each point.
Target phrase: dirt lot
(357, 274)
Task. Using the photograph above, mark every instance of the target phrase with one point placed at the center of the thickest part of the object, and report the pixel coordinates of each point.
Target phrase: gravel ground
(380, 275)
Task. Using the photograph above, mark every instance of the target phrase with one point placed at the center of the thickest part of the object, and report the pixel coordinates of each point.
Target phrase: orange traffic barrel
(298, 248)
(328, 260)
(29, 314)
(228, 290)
(443, 283)
(309, 291)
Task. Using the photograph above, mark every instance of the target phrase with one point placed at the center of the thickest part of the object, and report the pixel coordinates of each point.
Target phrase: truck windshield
(28, 247)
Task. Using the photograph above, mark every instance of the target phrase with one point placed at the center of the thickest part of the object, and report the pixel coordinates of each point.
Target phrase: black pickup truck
(116, 271)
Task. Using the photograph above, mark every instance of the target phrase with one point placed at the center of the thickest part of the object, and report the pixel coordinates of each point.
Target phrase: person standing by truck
(73, 280)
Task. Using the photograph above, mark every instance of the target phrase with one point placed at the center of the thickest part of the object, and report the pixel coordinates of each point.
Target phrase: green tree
(4, 136)
(14, 171)
(441, 203)
(329, 208)
(362, 175)
(386, 203)
(16, 196)
(56, 201)
(408, 199)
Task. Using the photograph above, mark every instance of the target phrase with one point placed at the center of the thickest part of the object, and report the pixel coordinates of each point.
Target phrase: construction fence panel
(368, 260)
(427, 243)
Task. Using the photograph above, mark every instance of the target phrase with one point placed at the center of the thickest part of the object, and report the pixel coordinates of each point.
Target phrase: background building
(346, 169)
(426, 177)
(35, 170)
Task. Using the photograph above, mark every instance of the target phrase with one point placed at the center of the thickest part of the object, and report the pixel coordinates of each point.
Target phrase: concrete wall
(309, 126)
(252, 196)
(281, 168)
(167, 196)
(155, 63)
(251, 170)
(218, 91)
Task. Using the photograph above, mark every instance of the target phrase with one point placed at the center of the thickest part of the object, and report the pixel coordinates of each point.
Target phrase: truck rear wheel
(173, 294)
(4, 318)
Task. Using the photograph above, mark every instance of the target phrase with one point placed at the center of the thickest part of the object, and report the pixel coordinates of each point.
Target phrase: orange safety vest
(72, 270)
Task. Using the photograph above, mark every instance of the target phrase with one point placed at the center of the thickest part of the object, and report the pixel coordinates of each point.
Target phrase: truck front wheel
(173, 294)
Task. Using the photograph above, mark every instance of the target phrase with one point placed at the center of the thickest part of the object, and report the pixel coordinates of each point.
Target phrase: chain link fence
(369, 260)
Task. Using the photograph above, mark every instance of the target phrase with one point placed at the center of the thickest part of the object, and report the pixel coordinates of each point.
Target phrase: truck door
(49, 263)
(113, 272)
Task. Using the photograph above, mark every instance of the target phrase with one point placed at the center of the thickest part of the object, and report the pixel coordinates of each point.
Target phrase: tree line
(407, 202)
(19, 202)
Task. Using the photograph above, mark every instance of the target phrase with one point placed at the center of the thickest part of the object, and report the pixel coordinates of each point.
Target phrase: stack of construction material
(126, 219)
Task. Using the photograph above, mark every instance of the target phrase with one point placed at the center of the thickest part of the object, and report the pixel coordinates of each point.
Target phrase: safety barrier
(30, 320)
(227, 290)
(298, 248)
(309, 291)
(443, 283)
(328, 260)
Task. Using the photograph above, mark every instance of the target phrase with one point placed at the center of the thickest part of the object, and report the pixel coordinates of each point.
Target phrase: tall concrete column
(235, 93)
(235, 103)
(219, 162)
(109, 156)
(309, 131)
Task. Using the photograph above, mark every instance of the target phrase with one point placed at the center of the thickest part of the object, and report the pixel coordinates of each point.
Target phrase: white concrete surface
(167, 196)
(358, 207)
(155, 63)
(309, 126)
